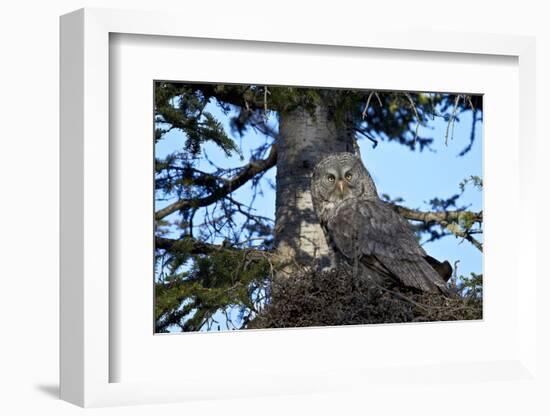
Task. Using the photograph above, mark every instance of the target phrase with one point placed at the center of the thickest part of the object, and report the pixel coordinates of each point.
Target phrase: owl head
(338, 177)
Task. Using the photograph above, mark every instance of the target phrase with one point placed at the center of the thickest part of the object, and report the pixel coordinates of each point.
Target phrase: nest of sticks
(338, 297)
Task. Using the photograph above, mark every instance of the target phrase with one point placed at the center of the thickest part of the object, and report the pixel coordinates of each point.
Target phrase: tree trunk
(303, 140)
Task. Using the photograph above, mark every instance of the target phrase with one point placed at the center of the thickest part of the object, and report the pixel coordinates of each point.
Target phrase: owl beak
(341, 188)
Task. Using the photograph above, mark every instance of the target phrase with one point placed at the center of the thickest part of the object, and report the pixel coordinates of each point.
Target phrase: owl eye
(331, 178)
(348, 176)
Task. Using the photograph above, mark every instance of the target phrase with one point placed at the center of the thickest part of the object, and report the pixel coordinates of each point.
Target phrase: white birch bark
(303, 141)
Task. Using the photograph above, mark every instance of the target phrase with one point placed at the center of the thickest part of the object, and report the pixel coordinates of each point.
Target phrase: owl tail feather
(415, 273)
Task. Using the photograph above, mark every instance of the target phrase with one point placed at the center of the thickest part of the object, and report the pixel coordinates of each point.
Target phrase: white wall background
(29, 183)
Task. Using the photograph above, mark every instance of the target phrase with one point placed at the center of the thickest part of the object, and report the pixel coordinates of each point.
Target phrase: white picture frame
(86, 356)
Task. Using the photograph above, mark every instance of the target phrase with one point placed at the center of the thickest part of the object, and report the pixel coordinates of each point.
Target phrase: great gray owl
(366, 232)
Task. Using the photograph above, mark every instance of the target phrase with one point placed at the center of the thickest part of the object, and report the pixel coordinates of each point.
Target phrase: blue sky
(422, 176)
(397, 171)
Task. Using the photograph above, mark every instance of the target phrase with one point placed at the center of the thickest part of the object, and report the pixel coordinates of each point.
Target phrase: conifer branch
(194, 247)
(246, 173)
(448, 219)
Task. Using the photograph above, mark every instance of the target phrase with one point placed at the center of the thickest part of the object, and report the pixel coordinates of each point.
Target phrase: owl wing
(379, 237)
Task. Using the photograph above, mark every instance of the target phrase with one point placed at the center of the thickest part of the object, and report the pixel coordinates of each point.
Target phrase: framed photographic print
(238, 246)
(307, 209)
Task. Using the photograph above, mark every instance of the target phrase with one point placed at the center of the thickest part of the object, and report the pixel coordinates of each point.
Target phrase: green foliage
(210, 283)
(390, 115)
(388, 198)
(468, 287)
(474, 180)
(178, 106)
(464, 225)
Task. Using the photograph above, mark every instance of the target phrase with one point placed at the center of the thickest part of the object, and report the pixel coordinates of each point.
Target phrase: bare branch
(364, 115)
(436, 216)
(413, 106)
(452, 120)
(366, 109)
(266, 92)
(378, 98)
(456, 230)
(447, 219)
(193, 246)
(368, 136)
(246, 173)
